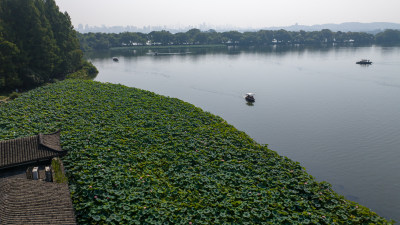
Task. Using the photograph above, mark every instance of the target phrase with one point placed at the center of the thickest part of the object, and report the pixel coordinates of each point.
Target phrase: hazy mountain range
(373, 28)
(344, 27)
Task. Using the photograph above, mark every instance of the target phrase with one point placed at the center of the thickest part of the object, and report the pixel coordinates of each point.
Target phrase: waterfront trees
(97, 41)
(388, 37)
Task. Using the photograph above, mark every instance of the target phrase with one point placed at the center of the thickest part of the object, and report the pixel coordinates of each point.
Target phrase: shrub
(58, 171)
(14, 95)
(87, 72)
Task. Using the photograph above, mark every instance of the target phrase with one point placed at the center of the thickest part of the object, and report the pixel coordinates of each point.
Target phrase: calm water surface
(340, 120)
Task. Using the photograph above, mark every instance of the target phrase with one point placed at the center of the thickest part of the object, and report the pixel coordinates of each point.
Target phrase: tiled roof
(24, 201)
(30, 149)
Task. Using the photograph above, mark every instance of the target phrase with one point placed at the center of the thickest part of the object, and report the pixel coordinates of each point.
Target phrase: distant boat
(250, 97)
(364, 62)
(115, 59)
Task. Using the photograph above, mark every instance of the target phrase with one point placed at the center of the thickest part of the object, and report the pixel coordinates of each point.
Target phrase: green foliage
(161, 37)
(140, 158)
(37, 44)
(86, 72)
(101, 41)
(388, 37)
(14, 95)
(9, 69)
(56, 166)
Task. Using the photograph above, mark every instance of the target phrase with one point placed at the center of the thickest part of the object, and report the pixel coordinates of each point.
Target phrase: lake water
(340, 120)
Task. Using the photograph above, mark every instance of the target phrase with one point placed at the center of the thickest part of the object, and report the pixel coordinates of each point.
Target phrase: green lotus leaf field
(136, 157)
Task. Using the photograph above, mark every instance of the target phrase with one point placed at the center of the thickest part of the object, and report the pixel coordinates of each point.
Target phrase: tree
(388, 36)
(282, 36)
(201, 38)
(361, 38)
(214, 37)
(129, 38)
(340, 37)
(232, 36)
(37, 43)
(191, 34)
(28, 28)
(9, 53)
(265, 36)
(181, 38)
(249, 38)
(163, 37)
(327, 36)
(66, 38)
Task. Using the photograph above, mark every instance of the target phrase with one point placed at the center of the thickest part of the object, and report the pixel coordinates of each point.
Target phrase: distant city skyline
(241, 14)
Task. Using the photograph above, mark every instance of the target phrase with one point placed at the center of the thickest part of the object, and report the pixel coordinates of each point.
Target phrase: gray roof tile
(24, 201)
(25, 150)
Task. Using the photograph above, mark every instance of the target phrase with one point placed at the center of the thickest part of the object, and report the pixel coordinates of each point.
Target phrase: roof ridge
(31, 149)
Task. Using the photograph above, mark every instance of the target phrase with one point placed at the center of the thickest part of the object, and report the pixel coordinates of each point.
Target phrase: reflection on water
(314, 105)
(364, 65)
(230, 50)
(250, 103)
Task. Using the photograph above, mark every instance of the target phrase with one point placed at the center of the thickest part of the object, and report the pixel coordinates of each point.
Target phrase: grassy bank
(136, 157)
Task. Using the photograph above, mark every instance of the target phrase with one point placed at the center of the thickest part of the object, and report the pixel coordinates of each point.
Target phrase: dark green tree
(163, 37)
(181, 38)
(249, 38)
(265, 36)
(232, 36)
(37, 43)
(388, 37)
(9, 56)
(361, 38)
(201, 38)
(26, 26)
(65, 36)
(214, 37)
(191, 35)
(327, 36)
(340, 37)
(282, 36)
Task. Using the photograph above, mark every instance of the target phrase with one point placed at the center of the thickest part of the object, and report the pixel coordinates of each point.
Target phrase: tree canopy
(99, 41)
(388, 37)
(37, 44)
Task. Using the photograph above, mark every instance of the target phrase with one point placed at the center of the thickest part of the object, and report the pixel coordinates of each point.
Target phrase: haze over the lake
(241, 13)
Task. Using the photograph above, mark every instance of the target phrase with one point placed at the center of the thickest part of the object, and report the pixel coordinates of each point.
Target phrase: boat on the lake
(250, 97)
(115, 59)
(364, 62)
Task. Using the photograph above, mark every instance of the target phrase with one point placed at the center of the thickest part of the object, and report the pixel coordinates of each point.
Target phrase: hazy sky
(240, 13)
